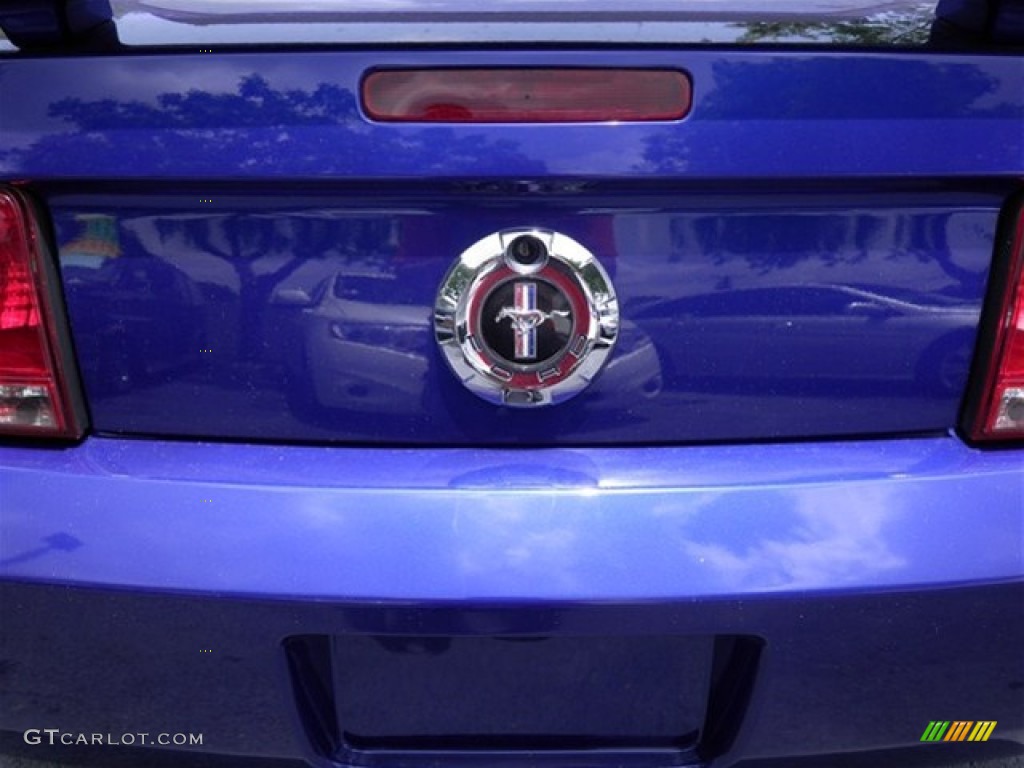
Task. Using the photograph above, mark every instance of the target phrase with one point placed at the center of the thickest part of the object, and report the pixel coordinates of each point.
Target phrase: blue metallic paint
(312, 522)
(371, 197)
(847, 559)
(121, 559)
(819, 685)
(308, 317)
(755, 115)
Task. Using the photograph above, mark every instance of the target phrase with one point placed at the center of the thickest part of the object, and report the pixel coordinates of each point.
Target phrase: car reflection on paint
(635, 366)
(355, 348)
(352, 347)
(767, 336)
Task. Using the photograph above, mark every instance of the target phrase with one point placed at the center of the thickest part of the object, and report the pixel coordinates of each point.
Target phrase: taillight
(544, 95)
(35, 372)
(997, 412)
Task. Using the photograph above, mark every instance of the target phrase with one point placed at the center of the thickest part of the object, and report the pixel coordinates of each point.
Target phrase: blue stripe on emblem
(526, 338)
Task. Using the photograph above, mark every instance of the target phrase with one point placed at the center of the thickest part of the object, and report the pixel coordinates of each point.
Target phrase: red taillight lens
(1000, 411)
(34, 394)
(526, 95)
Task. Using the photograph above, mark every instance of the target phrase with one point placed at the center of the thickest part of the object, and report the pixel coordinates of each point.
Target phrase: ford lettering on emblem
(526, 317)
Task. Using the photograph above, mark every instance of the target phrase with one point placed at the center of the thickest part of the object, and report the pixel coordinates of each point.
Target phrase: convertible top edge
(111, 25)
(256, 11)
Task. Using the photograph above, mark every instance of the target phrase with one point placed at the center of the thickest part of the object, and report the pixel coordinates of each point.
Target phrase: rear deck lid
(247, 253)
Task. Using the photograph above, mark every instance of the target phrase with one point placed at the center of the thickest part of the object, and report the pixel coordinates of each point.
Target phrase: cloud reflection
(826, 546)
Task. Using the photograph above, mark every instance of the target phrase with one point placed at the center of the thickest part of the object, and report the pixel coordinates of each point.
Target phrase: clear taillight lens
(35, 397)
(999, 413)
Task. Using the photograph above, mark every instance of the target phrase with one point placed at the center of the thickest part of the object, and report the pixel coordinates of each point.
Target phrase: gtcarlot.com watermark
(55, 736)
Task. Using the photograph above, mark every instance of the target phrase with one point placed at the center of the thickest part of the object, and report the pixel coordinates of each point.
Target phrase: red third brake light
(1000, 415)
(34, 394)
(526, 95)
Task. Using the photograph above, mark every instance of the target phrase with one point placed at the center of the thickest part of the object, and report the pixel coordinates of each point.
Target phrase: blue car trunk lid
(245, 254)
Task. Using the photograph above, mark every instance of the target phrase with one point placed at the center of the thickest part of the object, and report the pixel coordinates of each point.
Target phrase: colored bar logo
(958, 730)
(526, 337)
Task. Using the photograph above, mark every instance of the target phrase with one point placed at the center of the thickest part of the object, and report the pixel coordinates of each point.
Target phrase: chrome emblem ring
(526, 317)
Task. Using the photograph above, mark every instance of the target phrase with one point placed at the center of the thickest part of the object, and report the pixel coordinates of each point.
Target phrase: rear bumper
(151, 586)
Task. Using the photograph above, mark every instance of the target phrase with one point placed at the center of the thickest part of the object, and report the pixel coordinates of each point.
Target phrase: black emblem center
(526, 321)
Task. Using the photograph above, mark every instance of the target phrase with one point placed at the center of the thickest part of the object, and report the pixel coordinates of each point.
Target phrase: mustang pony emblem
(531, 318)
(526, 318)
